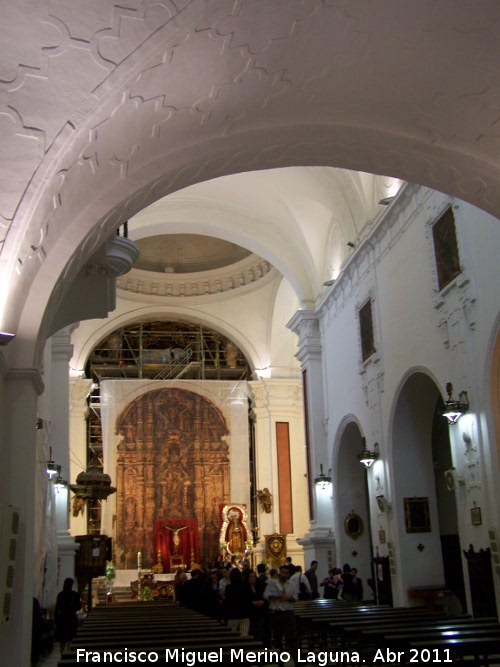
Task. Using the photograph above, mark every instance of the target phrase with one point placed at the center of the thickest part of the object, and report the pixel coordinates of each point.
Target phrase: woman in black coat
(237, 603)
(67, 604)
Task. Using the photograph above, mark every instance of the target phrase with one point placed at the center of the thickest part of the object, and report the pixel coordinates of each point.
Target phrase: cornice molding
(245, 273)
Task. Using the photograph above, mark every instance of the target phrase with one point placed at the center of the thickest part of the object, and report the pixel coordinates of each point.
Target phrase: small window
(366, 330)
(446, 248)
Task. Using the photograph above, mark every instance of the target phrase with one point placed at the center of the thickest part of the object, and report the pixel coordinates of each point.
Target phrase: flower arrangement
(110, 576)
(145, 593)
(110, 571)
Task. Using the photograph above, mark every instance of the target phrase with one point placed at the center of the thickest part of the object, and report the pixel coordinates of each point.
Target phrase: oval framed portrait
(353, 525)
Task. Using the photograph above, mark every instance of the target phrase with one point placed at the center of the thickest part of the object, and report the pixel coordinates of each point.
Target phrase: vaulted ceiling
(106, 109)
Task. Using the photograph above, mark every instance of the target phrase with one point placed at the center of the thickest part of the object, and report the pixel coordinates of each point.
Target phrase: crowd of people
(258, 603)
(261, 603)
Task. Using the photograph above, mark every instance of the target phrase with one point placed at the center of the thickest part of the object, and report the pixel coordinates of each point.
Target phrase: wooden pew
(477, 651)
(151, 628)
(326, 626)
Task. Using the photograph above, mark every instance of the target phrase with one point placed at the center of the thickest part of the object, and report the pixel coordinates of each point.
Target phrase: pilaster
(305, 324)
(61, 352)
(280, 400)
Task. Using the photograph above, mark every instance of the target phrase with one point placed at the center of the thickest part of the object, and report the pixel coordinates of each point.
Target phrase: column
(319, 543)
(21, 389)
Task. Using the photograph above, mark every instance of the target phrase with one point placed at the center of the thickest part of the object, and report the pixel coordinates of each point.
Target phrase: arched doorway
(418, 560)
(352, 506)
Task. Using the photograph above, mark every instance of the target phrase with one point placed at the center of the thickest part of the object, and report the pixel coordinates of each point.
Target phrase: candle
(139, 559)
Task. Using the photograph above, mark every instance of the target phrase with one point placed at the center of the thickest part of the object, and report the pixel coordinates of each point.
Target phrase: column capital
(79, 389)
(306, 324)
(27, 375)
(278, 395)
(60, 345)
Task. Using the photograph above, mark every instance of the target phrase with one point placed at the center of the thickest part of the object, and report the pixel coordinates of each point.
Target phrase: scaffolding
(158, 351)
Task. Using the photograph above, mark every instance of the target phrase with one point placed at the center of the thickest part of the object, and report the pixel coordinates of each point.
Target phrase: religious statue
(236, 541)
(175, 537)
(78, 505)
(266, 499)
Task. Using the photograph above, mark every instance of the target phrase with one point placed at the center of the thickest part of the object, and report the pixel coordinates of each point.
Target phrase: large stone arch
(136, 127)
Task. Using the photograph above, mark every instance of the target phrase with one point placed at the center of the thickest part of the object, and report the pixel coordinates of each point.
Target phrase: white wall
(445, 336)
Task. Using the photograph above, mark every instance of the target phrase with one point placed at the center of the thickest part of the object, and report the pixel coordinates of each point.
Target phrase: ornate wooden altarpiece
(172, 466)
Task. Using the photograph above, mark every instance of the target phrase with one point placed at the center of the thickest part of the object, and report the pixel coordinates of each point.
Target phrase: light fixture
(323, 480)
(5, 337)
(52, 469)
(453, 410)
(327, 283)
(386, 201)
(59, 482)
(366, 457)
(351, 244)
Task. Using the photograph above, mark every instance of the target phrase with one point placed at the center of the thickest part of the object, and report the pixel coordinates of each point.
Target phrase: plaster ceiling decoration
(108, 108)
(186, 253)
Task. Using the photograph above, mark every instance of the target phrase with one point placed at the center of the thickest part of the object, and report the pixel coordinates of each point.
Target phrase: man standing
(357, 586)
(290, 565)
(281, 594)
(260, 585)
(302, 583)
(312, 577)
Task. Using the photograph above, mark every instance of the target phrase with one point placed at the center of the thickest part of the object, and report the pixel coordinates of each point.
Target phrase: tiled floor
(52, 659)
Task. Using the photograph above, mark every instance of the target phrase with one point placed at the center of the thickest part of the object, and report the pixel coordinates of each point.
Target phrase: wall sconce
(52, 469)
(453, 410)
(59, 482)
(366, 457)
(323, 480)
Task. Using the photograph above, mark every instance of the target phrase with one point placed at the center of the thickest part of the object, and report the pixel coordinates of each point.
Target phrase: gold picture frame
(417, 515)
(353, 525)
(475, 516)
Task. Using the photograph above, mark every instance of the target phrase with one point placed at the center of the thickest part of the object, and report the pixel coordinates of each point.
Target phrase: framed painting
(353, 525)
(475, 516)
(417, 515)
